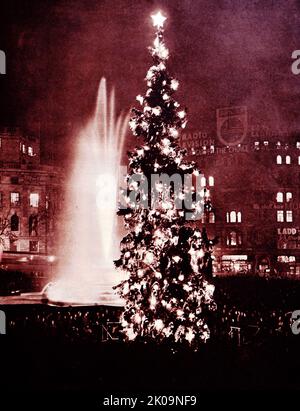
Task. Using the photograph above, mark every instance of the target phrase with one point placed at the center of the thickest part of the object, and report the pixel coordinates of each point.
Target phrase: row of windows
(233, 239)
(26, 149)
(285, 159)
(257, 144)
(210, 181)
(233, 217)
(33, 246)
(278, 144)
(284, 216)
(280, 196)
(236, 216)
(32, 223)
(15, 199)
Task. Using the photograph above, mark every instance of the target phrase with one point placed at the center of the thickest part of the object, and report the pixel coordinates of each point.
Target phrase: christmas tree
(168, 261)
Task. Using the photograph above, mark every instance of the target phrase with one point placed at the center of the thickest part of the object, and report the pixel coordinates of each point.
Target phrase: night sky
(223, 52)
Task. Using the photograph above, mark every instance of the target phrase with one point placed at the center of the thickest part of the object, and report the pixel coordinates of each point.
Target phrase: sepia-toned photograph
(149, 201)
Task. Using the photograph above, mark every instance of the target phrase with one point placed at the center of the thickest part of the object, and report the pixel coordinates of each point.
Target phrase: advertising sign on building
(232, 125)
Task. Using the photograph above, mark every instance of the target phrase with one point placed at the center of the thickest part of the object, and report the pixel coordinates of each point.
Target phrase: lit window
(211, 217)
(298, 144)
(280, 216)
(279, 159)
(30, 151)
(211, 181)
(212, 149)
(233, 217)
(286, 259)
(34, 199)
(287, 159)
(266, 143)
(289, 196)
(23, 148)
(278, 144)
(203, 181)
(256, 144)
(299, 160)
(279, 197)
(14, 199)
(289, 216)
(232, 238)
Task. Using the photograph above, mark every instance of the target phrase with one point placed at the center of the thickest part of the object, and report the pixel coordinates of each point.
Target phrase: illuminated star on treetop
(158, 20)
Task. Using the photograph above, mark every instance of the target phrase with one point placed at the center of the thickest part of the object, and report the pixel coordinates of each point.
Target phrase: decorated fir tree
(168, 261)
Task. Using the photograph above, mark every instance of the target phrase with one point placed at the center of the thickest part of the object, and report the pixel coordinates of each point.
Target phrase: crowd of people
(249, 310)
(66, 323)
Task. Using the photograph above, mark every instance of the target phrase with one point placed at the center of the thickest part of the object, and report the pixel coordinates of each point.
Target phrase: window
(280, 216)
(278, 145)
(288, 196)
(233, 239)
(34, 199)
(33, 246)
(299, 160)
(14, 222)
(279, 159)
(23, 149)
(279, 197)
(286, 259)
(15, 199)
(289, 216)
(33, 224)
(233, 217)
(30, 151)
(212, 149)
(266, 143)
(287, 159)
(203, 181)
(211, 181)
(256, 145)
(211, 217)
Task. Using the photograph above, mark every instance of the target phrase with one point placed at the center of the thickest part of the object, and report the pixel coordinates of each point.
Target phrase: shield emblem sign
(232, 125)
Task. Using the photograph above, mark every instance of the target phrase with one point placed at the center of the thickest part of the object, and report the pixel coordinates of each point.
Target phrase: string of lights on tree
(167, 293)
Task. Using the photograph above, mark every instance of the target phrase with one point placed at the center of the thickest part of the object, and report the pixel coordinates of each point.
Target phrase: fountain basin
(88, 294)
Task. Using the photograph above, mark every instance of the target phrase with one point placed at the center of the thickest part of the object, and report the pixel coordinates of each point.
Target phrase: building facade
(252, 179)
(29, 195)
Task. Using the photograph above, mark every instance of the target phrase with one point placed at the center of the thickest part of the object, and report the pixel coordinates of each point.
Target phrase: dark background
(222, 51)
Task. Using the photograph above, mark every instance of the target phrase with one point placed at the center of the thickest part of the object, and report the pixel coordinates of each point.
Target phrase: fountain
(89, 240)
